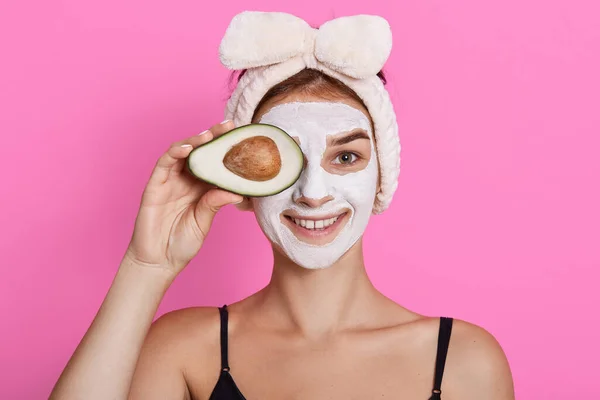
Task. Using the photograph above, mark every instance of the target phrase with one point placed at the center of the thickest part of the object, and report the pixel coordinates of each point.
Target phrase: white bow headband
(274, 46)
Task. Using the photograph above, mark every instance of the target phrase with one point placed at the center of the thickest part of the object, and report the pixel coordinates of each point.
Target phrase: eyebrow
(355, 135)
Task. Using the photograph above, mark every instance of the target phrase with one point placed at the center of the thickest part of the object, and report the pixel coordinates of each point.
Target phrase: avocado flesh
(206, 162)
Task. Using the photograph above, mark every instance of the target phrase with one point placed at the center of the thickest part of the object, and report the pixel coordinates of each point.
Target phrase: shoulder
(178, 343)
(183, 337)
(194, 324)
(187, 317)
(476, 365)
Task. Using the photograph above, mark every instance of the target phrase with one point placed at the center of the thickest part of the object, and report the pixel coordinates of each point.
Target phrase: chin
(313, 257)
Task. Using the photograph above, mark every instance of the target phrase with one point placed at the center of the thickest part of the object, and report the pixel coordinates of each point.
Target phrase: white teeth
(311, 224)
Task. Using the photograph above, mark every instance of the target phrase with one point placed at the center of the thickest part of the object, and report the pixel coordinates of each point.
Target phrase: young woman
(319, 329)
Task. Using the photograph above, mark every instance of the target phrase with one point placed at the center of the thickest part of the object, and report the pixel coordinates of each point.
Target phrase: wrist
(157, 275)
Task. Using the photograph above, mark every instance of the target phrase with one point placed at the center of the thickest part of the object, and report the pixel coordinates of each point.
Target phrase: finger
(173, 161)
(195, 141)
(215, 131)
(210, 204)
(200, 139)
(222, 128)
(174, 157)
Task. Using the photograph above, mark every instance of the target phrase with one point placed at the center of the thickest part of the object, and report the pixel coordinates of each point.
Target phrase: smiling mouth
(315, 223)
(316, 230)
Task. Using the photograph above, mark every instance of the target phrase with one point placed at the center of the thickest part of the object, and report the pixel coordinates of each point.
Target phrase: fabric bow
(357, 46)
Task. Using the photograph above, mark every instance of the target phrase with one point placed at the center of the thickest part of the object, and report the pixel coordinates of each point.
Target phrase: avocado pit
(256, 158)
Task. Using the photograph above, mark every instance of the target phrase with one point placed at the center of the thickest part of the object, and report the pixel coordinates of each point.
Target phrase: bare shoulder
(189, 334)
(193, 322)
(476, 365)
(179, 355)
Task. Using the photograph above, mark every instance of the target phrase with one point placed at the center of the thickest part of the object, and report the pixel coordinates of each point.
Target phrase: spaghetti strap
(225, 388)
(224, 345)
(440, 361)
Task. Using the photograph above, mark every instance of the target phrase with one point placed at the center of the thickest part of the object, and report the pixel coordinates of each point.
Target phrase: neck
(319, 302)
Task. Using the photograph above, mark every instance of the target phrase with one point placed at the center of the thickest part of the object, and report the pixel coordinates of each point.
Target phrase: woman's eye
(346, 158)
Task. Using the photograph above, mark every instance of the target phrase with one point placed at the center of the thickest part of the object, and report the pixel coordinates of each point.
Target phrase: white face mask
(354, 192)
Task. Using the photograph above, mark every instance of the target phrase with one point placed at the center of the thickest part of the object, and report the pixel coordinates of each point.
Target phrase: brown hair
(312, 82)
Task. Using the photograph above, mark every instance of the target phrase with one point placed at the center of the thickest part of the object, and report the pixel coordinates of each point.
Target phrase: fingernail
(238, 202)
(202, 133)
(226, 121)
(186, 145)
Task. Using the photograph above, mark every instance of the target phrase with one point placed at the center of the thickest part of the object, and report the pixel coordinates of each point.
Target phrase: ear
(377, 191)
(245, 205)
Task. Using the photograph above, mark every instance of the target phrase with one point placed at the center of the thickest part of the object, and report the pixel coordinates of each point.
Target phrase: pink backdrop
(496, 219)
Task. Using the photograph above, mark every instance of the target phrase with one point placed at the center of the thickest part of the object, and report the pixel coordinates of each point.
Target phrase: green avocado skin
(241, 193)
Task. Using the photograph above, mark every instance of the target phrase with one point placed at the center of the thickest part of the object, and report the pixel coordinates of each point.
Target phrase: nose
(312, 189)
(312, 202)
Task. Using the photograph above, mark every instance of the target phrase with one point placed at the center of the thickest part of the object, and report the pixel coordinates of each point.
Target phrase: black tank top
(226, 389)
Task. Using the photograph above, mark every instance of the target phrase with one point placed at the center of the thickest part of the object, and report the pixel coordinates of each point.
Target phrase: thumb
(210, 203)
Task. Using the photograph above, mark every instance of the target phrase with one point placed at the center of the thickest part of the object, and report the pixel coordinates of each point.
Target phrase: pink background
(496, 219)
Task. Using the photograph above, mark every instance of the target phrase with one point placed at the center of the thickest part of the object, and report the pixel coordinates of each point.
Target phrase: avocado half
(255, 160)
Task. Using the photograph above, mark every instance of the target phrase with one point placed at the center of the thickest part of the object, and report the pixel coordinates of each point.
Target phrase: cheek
(357, 188)
(272, 204)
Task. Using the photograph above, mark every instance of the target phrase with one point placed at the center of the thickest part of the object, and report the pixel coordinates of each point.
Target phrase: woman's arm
(175, 215)
(104, 362)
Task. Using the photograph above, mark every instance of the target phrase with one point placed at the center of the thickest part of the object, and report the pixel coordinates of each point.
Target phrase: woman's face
(323, 214)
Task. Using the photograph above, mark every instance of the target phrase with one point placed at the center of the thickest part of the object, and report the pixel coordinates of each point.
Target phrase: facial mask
(312, 123)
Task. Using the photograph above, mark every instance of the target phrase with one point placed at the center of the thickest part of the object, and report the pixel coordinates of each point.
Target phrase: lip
(316, 236)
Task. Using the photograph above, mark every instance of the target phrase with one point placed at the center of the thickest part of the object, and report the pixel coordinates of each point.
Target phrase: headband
(273, 46)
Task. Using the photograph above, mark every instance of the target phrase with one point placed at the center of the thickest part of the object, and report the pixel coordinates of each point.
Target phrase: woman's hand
(177, 209)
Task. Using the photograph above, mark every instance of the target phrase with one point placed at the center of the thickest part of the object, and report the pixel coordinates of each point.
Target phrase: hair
(311, 82)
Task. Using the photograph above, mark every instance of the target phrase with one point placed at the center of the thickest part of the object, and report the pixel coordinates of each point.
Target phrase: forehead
(316, 118)
(296, 96)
